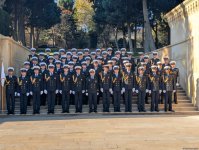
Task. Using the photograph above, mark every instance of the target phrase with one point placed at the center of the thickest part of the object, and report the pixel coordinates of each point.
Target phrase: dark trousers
(43, 99)
(168, 100)
(92, 98)
(78, 101)
(128, 100)
(161, 98)
(147, 98)
(36, 102)
(65, 101)
(175, 97)
(51, 101)
(141, 100)
(117, 98)
(58, 99)
(85, 99)
(23, 103)
(106, 100)
(154, 100)
(10, 101)
(29, 100)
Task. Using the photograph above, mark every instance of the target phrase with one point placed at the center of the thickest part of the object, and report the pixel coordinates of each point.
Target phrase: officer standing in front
(36, 89)
(51, 88)
(23, 90)
(11, 90)
(92, 90)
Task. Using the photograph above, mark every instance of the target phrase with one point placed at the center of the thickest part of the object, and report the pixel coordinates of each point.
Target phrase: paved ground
(93, 132)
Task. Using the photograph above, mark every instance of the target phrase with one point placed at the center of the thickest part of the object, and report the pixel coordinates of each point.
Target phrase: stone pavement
(97, 132)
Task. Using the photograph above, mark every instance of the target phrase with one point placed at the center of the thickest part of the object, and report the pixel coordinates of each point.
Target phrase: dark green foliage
(4, 23)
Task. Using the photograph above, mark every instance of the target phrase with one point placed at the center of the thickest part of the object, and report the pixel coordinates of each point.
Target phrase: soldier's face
(86, 53)
(155, 56)
(173, 65)
(95, 64)
(36, 71)
(116, 71)
(68, 56)
(27, 66)
(84, 66)
(146, 60)
(92, 73)
(10, 73)
(80, 56)
(65, 69)
(43, 67)
(50, 60)
(78, 71)
(33, 52)
(56, 56)
(71, 66)
(105, 69)
(58, 65)
(23, 73)
(51, 69)
(141, 71)
(167, 71)
(62, 53)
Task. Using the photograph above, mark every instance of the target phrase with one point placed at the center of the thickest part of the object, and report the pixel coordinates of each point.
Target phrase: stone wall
(184, 24)
(11, 54)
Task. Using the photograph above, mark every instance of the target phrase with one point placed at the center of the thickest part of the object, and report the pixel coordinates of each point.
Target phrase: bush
(4, 23)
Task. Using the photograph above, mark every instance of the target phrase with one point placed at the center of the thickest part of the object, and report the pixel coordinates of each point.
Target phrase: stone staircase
(184, 106)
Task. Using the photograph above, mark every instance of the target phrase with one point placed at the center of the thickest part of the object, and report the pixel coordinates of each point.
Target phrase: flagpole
(2, 104)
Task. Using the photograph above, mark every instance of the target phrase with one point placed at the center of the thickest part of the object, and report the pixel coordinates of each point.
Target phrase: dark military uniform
(154, 61)
(142, 84)
(51, 87)
(161, 73)
(175, 72)
(128, 84)
(11, 89)
(78, 87)
(169, 86)
(92, 88)
(117, 87)
(105, 84)
(85, 73)
(23, 89)
(36, 88)
(43, 96)
(66, 85)
(58, 95)
(155, 87)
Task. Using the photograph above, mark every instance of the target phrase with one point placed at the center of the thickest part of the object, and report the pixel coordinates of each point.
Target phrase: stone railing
(11, 54)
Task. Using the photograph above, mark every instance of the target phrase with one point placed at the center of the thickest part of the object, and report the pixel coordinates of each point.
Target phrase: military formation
(83, 77)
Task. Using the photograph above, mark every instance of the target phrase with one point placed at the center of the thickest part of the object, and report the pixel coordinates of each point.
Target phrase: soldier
(34, 62)
(63, 60)
(43, 72)
(80, 58)
(104, 59)
(51, 88)
(41, 57)
(140, 59)
(33, 54)
(155, 58)
(11, 90)
(166, 62)
(106, 87)
(78, 88)
(66, 84)
(155, 88)
(56, 56)
(23, 90)
(117, 88)
(128, 87)
(50, 60)
(123, 52)
(74, 59)
(110, 53)
(58, 71)
(98, 52)
(93, 55)
(74, 51)
(92, 88)
(68, 57)
(131, 60)
(62, 52)
(175, 72)
(29, 73)
(161, 73)
(47, 51)
(36, 89)
(85, 73)
(169, 87)
(142, 86)
(86, 52)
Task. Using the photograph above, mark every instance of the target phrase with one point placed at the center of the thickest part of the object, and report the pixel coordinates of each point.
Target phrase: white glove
(147, 90)
(57, 91)
(71, 92)
(86, 94)
(177, 84)
(18, 94)
(31, 93)
(101, 89)
(121, 92)
(160, 91)
(164, 91)
(41, 92)
(15, 93)
(111, 91)
(123, 89)
(136, 91)
(27, 94)
(45, 91)
(60, 91)
(174, 91)
(97, 93)
(83, 91)
(133, 90)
